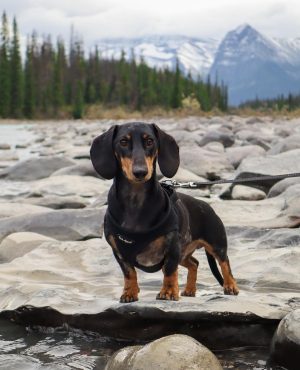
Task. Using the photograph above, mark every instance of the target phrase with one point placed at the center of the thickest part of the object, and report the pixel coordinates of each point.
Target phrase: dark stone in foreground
(216, 330)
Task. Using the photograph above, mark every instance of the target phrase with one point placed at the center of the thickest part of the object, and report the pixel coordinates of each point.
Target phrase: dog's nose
(140, 173)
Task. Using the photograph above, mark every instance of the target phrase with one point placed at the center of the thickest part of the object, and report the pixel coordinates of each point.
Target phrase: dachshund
(148, 224)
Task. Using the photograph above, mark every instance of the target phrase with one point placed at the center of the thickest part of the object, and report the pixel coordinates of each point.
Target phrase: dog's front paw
(188, 293)
(128, 296)
(170, 294)
(231, 289)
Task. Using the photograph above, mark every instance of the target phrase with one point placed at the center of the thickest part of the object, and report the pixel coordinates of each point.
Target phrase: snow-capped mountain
(254, 65)
(251, 64)
(195, 55)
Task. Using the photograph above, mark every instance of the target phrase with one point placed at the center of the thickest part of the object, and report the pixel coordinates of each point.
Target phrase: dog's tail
(214, 268)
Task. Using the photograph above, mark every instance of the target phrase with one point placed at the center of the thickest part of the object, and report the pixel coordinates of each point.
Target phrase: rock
(18, 244)
(290, 143)
(60, 224)
(235, 155)
(58, 202)
(282, 185)
(4, 146)
(214, 146)
(17, 209)
(69, 185)
(279, 164)
(34, 168)
(223, 135)
(184, 175)
(165, 353)
(9, 155)
(285, 347)
(204, 163)
(242, 192)
(82, 169)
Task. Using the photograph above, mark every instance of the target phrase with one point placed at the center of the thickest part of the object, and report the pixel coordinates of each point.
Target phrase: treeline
(52, 82)
(289, 103)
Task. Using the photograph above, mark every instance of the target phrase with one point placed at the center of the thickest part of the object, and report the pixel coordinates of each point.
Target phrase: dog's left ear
(102, 154)
(168, 152)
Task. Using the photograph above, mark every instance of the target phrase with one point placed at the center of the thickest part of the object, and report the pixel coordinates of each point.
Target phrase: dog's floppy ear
(168, 152)
(102, 154)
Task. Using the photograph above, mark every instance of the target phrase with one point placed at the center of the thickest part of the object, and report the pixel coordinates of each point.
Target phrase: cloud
(95, 19)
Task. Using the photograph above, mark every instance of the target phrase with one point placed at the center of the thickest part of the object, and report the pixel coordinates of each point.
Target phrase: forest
(54, 81)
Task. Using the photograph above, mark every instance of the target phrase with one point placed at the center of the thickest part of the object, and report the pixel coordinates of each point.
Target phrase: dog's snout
(140, 172)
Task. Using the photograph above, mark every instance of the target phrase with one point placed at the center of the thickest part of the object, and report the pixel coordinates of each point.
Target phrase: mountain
(195, 55)
(254, 65)
(250, 63)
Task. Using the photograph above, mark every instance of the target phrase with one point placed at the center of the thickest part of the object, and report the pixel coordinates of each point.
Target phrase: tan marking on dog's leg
(131, 288)
(192, 265)
(230, 286)
(170, 289)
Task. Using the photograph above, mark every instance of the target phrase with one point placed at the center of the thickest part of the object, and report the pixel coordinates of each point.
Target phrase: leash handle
(200, 184)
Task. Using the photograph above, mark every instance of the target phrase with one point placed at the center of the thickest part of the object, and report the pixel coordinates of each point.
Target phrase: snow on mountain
(195, 55)
(253, 65)
(250, 63)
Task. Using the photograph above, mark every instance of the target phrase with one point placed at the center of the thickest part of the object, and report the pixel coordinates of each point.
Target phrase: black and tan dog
(148, 225)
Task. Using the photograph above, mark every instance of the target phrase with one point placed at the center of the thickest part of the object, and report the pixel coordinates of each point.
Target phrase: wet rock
(242, 192)
(285, 348)
(223, 135)
(34, 168)
(18, 244)
(165, 353)
(235, 155)
(60, 224)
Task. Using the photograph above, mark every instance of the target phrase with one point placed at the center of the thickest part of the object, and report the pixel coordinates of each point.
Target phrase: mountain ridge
(249, 62)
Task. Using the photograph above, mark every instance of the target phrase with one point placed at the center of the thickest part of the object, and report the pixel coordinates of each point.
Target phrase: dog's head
(134, 147)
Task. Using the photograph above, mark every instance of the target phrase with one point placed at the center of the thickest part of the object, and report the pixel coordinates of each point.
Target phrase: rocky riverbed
(56, 270)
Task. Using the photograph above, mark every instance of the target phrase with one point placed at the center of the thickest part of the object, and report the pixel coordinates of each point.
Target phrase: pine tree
(177, 90)
(4, 69)
(59, 76)
(16, 76)
(29, 86)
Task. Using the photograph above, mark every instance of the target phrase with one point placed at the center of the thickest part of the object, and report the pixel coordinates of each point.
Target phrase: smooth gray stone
(285, 347)
(60, 224)
(35, 168)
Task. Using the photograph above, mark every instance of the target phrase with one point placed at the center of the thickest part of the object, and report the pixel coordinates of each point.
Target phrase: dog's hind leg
(191, 263)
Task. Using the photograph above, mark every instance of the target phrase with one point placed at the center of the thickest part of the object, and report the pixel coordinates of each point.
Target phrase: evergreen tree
(59, 75)
(16, 77)
(177, 90)
(4, 69)
(29, 86)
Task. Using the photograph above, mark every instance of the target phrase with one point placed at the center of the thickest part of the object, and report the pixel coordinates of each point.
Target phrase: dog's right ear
(102, 154)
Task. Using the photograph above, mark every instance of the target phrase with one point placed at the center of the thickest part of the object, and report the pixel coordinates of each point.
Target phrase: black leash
(241, 180)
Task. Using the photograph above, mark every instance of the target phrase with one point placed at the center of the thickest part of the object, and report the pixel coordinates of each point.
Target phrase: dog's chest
(153, 253)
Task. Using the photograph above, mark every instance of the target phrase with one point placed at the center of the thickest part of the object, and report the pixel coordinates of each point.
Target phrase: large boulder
(204, 163)
(18, 244)
(35, 168)
(290, 143)
(17, 209)
(77, 224)
(285, 347)
(178, 352)
(236, 154)
(223, 135)
(57, 202)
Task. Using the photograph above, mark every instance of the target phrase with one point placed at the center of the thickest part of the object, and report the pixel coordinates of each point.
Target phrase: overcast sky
(94, 19)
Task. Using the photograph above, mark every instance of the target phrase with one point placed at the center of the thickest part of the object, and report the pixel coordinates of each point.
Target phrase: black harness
(130, 244)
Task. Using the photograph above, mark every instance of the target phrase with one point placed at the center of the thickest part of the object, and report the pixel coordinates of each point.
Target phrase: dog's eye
(149, 142)
(124, 142)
